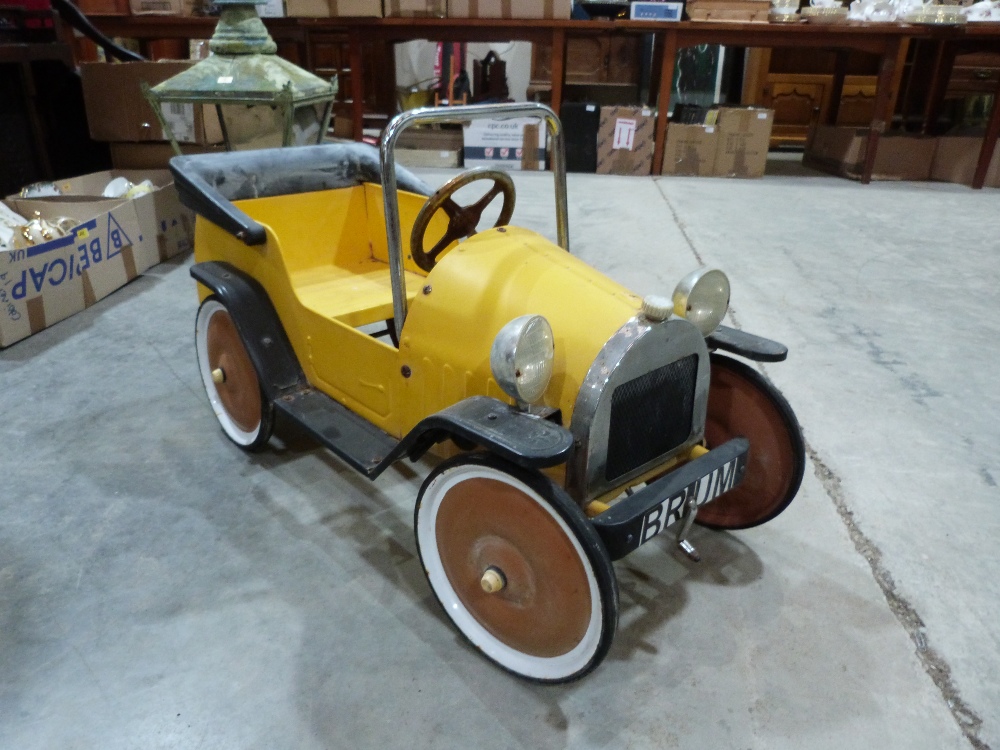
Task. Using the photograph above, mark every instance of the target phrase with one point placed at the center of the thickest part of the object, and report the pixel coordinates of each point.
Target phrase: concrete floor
(161, 589)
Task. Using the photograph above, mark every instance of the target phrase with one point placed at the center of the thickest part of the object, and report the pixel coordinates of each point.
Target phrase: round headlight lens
(703, 298)
(521, 358)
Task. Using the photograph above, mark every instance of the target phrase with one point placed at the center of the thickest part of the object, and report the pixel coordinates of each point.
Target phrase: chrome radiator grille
(650, 416)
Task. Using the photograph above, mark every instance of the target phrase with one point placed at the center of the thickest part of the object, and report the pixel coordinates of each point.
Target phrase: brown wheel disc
(742, 403)
(551, 613)
(230, 378)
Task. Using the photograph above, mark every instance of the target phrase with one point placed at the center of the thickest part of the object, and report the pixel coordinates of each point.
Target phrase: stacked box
(415, 8)
(625, 141)
(744, 138)
(690, 150)
(333, 8)
(118, 112)
(165, 7)
(544, 9)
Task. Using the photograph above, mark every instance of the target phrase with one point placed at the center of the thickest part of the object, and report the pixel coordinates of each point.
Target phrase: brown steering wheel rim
(463, 220)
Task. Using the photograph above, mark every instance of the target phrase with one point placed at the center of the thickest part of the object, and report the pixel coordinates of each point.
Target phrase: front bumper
(638, 518)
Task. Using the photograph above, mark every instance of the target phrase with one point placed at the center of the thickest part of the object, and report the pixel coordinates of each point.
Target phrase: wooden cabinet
(798, 88)
(598, 60)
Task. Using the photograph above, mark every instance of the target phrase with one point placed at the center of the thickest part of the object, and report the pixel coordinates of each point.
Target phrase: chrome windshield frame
(431, 115)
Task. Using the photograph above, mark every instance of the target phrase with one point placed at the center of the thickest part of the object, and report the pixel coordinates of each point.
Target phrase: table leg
(668, 42)
(558, 67)
(883, 103)
(655, 68)
(357, 83)
(944, 61)
(989, 143)
(837, 90)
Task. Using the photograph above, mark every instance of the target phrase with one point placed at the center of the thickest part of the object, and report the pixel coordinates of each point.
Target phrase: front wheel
(742, 403)
(517, 567)
(230, 378)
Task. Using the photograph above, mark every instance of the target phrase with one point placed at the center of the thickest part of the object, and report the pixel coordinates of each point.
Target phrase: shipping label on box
(416, 8)
(744, 138)
(547, 9)
(43, 284)
(625, 141)
(514, 144)
(690, 150)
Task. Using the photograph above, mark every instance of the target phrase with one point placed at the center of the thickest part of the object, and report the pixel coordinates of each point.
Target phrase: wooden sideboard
(360, 49)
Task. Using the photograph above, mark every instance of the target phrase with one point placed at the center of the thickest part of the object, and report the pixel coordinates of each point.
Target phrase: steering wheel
(463, 220)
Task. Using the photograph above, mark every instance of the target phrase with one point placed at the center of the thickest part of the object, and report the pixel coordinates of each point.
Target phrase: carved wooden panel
(591, 59)
(857, 104)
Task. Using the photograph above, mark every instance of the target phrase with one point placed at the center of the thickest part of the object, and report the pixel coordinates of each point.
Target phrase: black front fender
(257, 322)
(528, 441)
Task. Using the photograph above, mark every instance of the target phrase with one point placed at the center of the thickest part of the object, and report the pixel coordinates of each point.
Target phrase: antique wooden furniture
(359, 49)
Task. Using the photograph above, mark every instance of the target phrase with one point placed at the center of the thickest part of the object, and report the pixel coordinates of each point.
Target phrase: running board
(360, 443)
(528, 441)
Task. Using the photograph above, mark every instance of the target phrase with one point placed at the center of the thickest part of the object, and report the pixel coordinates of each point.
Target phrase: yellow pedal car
(589, 421)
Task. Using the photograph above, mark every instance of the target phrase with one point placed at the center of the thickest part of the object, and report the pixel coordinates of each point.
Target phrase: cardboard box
(104, 7)
(333, 8)
(690, 150)
(272, 9)
(43, 284)
(426, 158)
(148, 156)
(955, 160)
(841, 151)
(550, 9)
(515, 144)
(165, 7)
(625, 141)
(117, 110)
(415, 8)
(744, 134)
(164, 226)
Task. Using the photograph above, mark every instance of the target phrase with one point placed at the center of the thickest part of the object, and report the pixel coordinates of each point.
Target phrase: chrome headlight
(521, 358)
(703, 298)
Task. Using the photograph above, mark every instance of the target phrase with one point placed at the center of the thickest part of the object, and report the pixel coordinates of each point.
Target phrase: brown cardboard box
(955, 160)
(43, 284)
(333, 8)
(416, 8)
(744, 137)
(841, 151)
(515, 144)
(104, 7)
(164, 227)
(690, 150)
(153, 155)
(550, 9)
(625, 141)
(165, 7)
(117, 110)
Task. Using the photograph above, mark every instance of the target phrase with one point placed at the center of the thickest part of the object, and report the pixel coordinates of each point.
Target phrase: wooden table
(888, 41)
(974, 37)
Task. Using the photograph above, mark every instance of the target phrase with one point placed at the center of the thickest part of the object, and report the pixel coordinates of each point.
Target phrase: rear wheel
(742, 403)
(517, 567)
(230, 379)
